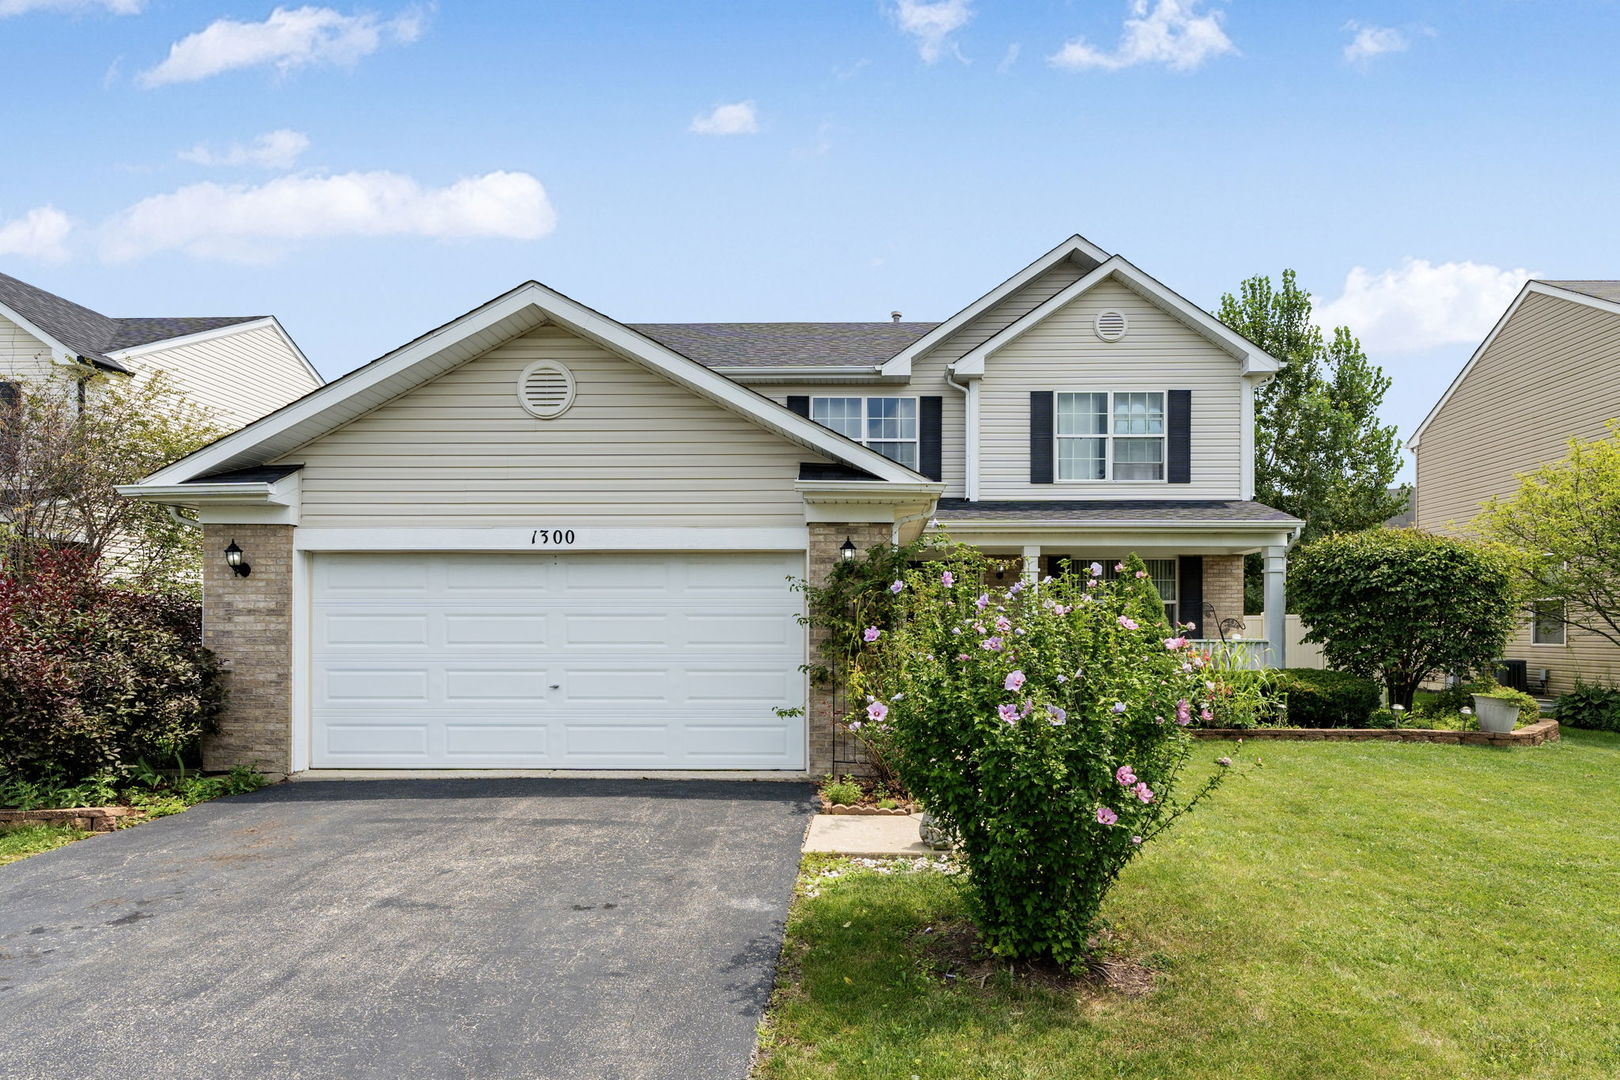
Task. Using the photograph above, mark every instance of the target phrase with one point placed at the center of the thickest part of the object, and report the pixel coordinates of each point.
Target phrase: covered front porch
(1194, 552)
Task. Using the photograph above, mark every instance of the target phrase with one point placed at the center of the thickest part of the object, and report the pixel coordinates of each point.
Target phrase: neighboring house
(238, 368)
(1548, 371)
(538, 537)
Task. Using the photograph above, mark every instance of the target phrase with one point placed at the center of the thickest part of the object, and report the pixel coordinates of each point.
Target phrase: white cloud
(39, 234)
(1172, 33)
(738, 118)
(288, 38)
(112, 7)
(932, 24)
(1371, 41)
(278, 149)
(1419, 304)
(257, 223)
(1009, 58)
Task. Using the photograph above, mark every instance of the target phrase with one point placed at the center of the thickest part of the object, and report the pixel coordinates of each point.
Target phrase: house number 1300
(552, 536)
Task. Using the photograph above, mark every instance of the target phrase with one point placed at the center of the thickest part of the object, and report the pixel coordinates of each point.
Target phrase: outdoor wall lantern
(233, 559)
(847, 551)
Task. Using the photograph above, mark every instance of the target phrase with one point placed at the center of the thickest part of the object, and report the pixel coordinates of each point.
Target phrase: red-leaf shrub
(94, 677)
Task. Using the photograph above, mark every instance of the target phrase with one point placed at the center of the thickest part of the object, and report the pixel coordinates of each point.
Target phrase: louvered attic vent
(1111, 325)
(546, 389)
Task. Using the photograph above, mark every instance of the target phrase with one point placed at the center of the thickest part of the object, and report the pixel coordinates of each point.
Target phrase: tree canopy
(1565, 517)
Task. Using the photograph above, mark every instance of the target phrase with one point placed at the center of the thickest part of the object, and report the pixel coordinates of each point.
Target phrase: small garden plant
(1044, 725)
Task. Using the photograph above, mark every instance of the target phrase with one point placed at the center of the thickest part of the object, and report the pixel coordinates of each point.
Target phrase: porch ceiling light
(847, 551)
(233, 559)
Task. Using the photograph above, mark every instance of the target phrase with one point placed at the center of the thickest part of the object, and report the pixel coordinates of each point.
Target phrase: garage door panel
(579, 660)
(492, 740)
(485, 630)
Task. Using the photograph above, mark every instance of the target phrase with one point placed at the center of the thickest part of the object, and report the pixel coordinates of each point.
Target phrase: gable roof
(1602, 295)
(440, 350)
(786, 344)
(1118, 268)
(1076, 248)
(90, 335)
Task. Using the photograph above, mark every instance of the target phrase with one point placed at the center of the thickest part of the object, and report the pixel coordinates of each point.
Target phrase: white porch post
(1032, 562)
(1276, 588)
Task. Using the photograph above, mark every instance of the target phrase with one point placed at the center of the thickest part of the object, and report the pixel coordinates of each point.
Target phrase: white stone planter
(1495, 714)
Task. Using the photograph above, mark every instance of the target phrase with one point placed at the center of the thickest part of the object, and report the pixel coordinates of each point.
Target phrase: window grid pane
(1139, 414)
(891, 418)
(1082, 459)
(843, 415)
(903, 452)
(1082, 414)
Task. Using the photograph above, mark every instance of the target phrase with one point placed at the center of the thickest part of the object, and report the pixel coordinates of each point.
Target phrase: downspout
(174, 512)
(894, 532)
(970, 434)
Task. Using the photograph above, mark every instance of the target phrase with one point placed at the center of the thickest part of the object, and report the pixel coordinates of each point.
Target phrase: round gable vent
(1111, 325)
(546, 389)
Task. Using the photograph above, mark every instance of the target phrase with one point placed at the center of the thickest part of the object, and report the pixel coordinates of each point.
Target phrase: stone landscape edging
(1529, 735)
(870, 811)
(87, 818)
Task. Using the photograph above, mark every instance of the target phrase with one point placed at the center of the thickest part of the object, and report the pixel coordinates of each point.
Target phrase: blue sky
(366, 172)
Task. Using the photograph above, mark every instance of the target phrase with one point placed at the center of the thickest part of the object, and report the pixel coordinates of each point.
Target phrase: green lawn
(1350, 910)
(18, 841)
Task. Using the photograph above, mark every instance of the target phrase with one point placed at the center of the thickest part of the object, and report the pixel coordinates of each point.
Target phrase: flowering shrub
(94, 677)
(1044, 725)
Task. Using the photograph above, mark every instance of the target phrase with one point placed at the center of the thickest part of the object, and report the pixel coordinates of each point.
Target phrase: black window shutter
(1040, 436)
(1190, 593)
(799, 403)
(1178, 419)
(930, 437)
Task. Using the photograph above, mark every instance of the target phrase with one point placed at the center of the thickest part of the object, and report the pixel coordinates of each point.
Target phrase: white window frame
(1172, 605)
(1108, 439)
(875, 444)
(1535, 623)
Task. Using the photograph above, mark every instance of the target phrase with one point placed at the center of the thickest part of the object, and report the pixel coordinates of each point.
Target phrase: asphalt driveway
(568, 929)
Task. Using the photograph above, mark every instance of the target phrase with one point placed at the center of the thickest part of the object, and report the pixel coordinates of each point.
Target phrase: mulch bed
(868, 803)
(1529, 735)
(956, 955)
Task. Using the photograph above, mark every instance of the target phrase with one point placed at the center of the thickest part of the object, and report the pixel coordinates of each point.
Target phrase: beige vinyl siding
(237, 377)
(23, 357)
(1158, 353)
(1552, 372)
(633, 449)
(928, 374)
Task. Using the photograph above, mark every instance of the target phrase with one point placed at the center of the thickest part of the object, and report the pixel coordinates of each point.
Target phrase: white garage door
(634, 660)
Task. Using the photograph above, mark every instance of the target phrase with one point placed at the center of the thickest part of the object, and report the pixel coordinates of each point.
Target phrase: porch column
(1276, 576)
(1032, 562)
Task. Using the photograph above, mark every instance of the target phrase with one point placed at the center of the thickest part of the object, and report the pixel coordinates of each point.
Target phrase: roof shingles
(1104, 511)
(797, 344)
(91, 334)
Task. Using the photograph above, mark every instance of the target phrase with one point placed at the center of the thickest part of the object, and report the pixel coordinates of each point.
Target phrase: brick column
(247, 622)
(826, 538)
(1223, 589)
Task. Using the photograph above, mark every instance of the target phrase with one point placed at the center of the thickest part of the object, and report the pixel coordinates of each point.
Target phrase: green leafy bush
(94, 677)
(1384, 718)
(1400, 605)
(845, 792)
(1591, 705)
(1044, 726)
(1326, 699)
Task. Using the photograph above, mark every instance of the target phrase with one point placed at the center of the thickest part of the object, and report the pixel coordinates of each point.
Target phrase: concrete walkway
(872, 837)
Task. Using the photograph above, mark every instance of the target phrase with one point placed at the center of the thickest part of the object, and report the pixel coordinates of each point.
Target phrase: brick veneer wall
(248, 623)
(825, 541)
(1223, 589)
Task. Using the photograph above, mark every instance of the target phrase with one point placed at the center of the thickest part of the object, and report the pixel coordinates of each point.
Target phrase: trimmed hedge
(1327, 699)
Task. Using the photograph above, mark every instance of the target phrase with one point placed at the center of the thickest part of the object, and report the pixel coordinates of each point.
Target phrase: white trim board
(900, 363)
(585, 538)
(523, 308)
(1531, 288)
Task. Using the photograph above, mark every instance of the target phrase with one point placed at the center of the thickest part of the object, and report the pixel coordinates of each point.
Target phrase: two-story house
(536, 537)
(1547, 372)
(236, 367)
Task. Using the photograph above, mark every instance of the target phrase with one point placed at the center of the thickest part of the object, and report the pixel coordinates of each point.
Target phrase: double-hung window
(1111, 436)
(886, 424)
(1165, 575)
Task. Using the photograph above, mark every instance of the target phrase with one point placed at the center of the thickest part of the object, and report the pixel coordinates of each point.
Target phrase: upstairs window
(1547, 622)
(1111, 436)
(885, 424)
